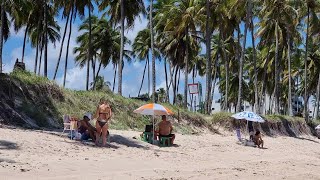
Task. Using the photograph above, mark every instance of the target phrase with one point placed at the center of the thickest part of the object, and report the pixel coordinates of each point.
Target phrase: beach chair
(71, 125)
(165, 141)
(147, 134)
(66, 123)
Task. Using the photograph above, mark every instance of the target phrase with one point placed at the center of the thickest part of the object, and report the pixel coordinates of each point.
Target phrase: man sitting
(165, 129)
(257, 139)
(86, 129)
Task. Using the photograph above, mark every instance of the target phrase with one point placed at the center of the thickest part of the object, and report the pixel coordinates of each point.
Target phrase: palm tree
(66, 13)
(105, 44)
(152, 52)
(183, 17)
(15, 9)
(208, 53)
(100, 84)
(129, 10)
(141, 47)
(248, 14)
(3, 21)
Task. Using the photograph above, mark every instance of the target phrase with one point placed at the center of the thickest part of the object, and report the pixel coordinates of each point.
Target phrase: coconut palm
(141, 48)
(100, 84)
(119, 12)
(184, 16)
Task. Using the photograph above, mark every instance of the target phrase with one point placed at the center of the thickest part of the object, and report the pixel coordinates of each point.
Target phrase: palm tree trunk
(114, 77)
(214, 81)
(88, 75)
(45, 39)
(40, 60)
(152, 54)
(37, 52)
(167, 86)
(256, 97)
(144, 72)
(67, 53)
(208, 53)
(276, 75)
(24, 42)
(174, 86)
(96, 76)
(241, 61)
(89, 49)
(306, 111)
(185, 102)
(1, 33)
(93, 61)
(148, 60)
(171, 75)
(289, 78)
(226, 65)
(317, 97)
(121, 49)
(263, 88)
(61, 47)
(178, 81)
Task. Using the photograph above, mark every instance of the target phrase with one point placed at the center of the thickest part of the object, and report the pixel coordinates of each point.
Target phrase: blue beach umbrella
(249, 116)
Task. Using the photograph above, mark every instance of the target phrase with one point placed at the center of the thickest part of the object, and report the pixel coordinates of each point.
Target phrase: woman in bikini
(103, 115)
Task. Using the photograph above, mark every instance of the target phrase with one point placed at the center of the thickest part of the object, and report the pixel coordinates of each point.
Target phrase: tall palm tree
(208, 55)
(141, 48)
(152, 52)
(15, 9)
(1, 31)
(184, 16)
(247, 21)
(119, 12)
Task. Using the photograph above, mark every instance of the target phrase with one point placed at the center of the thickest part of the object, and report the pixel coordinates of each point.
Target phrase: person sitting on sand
(165, 129)
(258, 139)
(86, 129)
(103, 115)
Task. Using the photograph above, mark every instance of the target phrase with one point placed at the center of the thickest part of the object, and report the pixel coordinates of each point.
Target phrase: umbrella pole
(247, 128)
(153, 130)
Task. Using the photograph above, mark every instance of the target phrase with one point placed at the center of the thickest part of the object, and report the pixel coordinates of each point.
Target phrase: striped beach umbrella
(153, 109)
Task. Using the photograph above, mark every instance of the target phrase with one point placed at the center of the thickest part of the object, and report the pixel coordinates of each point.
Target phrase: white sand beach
(27, 154)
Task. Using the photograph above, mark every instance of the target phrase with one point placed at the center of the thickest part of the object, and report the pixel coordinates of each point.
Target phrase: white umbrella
(153, 109)
(249, 116)
(318, 127)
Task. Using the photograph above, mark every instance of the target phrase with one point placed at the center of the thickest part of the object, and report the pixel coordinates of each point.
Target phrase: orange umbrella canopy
(153, 109)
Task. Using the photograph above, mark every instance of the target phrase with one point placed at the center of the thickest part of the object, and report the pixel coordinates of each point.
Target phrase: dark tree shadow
(126, 141)
(301, 138)
(289, 130)
(7, 145)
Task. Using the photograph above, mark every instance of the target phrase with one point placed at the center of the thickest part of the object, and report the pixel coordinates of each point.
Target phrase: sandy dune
(26, 154)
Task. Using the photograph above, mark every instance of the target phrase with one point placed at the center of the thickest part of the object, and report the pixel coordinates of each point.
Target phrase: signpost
(196, 89)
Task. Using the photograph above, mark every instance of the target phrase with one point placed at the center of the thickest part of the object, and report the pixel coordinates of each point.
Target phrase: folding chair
(66, 123)
(69, 124)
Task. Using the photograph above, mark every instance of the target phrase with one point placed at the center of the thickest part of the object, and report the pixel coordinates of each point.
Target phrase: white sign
(193, 88)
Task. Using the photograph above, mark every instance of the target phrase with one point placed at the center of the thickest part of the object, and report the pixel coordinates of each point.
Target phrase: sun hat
(88, 115)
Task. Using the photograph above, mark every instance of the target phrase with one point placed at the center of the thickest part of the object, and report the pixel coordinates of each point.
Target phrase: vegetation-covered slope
(34, 102)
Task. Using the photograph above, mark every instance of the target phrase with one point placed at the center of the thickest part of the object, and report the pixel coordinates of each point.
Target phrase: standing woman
(103, 115)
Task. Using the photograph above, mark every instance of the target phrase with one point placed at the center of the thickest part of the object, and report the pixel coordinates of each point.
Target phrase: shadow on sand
(126, 141)
(115, 141)
(7, 145)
